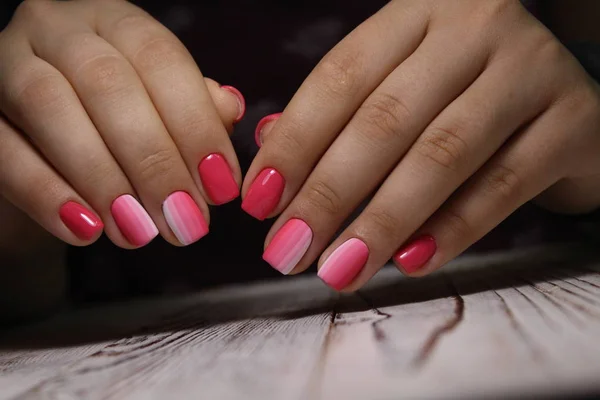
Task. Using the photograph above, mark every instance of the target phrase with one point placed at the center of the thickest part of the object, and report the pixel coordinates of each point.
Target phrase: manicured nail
(184, 218)
(264, 194)
(241, 102)
(217, 179)
(416, 254)
(260, 126)
(81, 221)
(133, 221)
(288, 245)
(342, 266)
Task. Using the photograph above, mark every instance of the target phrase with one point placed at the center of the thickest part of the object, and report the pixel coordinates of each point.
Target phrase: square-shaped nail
(342, 266)
(217, 179)
(81, 221)
(184, 218)
(288, 246)
(133, 220)
(416, 254)
(264, 194)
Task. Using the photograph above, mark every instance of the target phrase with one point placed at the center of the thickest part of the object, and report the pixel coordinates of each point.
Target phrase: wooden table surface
(501, 325)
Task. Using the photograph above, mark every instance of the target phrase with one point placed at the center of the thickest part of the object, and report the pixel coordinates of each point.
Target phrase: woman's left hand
(453, 114)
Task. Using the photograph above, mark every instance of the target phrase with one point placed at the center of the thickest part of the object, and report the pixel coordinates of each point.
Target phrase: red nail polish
(416, 254)
(81, 221)
(241, 102)
(264, 194)
(217, 179)
(261, 124)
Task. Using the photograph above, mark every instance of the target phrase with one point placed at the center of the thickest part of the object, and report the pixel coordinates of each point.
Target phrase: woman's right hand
(107, 123)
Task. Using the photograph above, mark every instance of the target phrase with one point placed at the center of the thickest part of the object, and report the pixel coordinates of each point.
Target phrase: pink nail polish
(288, 245)
(241, 102)
(261, 124)
(264, 194)
(81, 221)
(217, 179)
(416, 254)
(342, 266)
(133, 221)
(184, 218)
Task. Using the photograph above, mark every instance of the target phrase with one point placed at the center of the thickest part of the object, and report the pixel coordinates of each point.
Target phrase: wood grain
(511, 324)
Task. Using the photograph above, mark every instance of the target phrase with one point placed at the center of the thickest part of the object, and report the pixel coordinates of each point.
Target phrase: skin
(97, 99)
(462, 118)
(465, 112)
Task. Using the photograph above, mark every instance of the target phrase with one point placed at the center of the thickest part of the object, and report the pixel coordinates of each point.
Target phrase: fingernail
(416, 254)
(184, 218)
(241, 102)
(217, 179)
(81, 221)
(260, 126)
(133, 221)
(288, 245)
(264, 194)
(342, 266)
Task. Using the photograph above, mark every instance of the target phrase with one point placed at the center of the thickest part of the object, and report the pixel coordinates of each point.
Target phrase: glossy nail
(133, 221)
(264, 194)
(241, 102)
(342, 266)
(416, 254)
(217, 179)
(288, 246)
(184, 218)
(81, 221)
(260, 126)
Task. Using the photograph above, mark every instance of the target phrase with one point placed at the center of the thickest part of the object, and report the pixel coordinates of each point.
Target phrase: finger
(32, 185)
(118, 104)
(178, 91)
(381, 132)
(456, 143)
(325, 103)
(40, 101)
(518, 173)
(230, 103)
(264, 128)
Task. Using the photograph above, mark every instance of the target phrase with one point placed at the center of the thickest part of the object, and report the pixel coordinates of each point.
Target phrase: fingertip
(264, 126)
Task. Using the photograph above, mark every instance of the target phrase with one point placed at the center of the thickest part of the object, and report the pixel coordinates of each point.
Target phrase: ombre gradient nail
(288, 245)
(184, 218)
(342, 266)
(133, 220)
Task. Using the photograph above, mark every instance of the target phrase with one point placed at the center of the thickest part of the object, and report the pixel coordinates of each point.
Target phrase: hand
(452, 113)
(109, 122)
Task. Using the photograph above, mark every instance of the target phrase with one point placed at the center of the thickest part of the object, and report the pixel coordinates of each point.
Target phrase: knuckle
(132, 20)
(321, 196)
(103, 75)
(158, 54)
(41, 94)
(494, 9)
(287, 140)
(341, 74)
(382, 118)
(157, 164)
(502, 181)
(33, 11)
(456, 223)
(385, 223)
(444, 147)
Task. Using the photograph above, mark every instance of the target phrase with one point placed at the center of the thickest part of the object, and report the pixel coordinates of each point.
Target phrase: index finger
(326, 101)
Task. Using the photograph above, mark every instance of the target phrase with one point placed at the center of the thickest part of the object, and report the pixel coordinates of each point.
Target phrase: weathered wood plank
(495, 325)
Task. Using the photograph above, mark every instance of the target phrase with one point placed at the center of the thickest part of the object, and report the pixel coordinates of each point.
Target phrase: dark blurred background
(265, 49)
